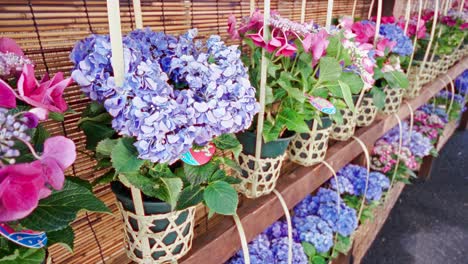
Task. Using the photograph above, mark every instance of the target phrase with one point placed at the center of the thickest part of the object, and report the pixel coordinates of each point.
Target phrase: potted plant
(296, 91)
(34, 193)
(181, 100)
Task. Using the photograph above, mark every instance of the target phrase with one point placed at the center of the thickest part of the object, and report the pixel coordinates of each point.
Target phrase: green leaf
(190, 196)
(95, 132)
(230, 163)
(378, 96)
(39, 137)
(354, 82)
(269, 97)
(103, 118)
(309, 249)
(170, 189)
(347, 95)
(81, 182)
(105, 147)
(105, 179)
(56, 116)
(228, 142)
(200, 174)
(318, 260)
(330, 69)
(396, 79)
(333, 46)
(63, 237)
(124, 157)
(24, 255)
(103, 164)
(343, 244)
(292, 120)
(93, 109)
(221, 197)
(271, 131)
(59, 209)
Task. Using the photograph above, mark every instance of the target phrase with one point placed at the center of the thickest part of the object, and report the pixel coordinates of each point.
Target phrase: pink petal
(9, 45)
(27, 83)
(18, 201)
(41, 113)
(7, 96)
(52, 172)
(61, 149)
(32, 120)
(307, 42)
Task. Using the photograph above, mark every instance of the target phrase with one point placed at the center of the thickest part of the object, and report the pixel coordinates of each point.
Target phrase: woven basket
(366, 112)
(258, 176)
(427, 74)
(443, 64)
(393, 97)
(165, 245)
(345, 131)
(415, 83)
(308, 149)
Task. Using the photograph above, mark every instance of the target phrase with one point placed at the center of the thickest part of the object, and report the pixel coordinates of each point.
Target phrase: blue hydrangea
(279, 229)
(177, 92)
(259, 251)
(461, 83)
(404, 46)
(280, 247)
(447, 95)
(356, 176)
(418, 144)
(344, 221)
(308, 206)
(314, 230)
(433, 109)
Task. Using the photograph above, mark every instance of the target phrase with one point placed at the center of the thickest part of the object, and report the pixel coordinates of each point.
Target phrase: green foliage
(221, 198)
(342, 245)
(228, 142)
(378, 97)
(96, 124)
(22, 255)
(63, 237)
(59, 117)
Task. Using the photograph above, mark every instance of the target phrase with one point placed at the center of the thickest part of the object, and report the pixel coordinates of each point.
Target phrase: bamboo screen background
(47, 31)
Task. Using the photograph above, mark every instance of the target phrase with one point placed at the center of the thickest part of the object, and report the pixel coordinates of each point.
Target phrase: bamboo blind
(47, 31)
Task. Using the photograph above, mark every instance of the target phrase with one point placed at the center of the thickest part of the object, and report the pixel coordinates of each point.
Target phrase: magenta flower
(23, 185)
(427, 15)
(252, 23)
(464, 26)
(232, 22)
(9, 45)
(383, 45)
(275, 43)
(364, 32)
(7, 96)
(47, 94)
(449, 21)
(257, 38)
(385, 19)
(287, 50)
(317, 43)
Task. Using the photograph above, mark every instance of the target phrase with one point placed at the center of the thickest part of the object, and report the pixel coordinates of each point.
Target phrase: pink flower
(275, 43)
(46, 94)
(257, 38)
(287, 50)
(449, 21)
(252, 23)
(385, 19)
(384, 45)
(7, 96)
(232, 28)
(9, 45)
(464, 26)
(317, 43)
(23, 185)
(364, 32)
(346, 22)
(427, 15)
(368, 64)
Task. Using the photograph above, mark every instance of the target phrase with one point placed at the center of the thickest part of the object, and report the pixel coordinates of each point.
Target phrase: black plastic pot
(271, 149)
(151, 206)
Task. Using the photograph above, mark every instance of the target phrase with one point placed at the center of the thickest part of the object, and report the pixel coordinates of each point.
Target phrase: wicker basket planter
(393, 98)
(415, 83)
(259, 176)
(444, 64)
(345, 131)
(308, 149)
(366, 112)
(161, 236)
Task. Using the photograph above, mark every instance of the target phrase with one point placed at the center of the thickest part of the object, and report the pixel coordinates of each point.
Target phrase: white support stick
(115, 31)
(329, 14)
(138, 15)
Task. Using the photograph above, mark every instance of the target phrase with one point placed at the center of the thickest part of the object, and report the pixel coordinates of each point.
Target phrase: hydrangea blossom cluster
(287, 25)
(447, 95)
(272, 247)
(176, 92)
(352, 180)
(12, 58)
(430, 121)
(316, 231)
(461, 83)
(434, 109)
(417, 143)
(385, 154)
(404, 46)
(11, 128)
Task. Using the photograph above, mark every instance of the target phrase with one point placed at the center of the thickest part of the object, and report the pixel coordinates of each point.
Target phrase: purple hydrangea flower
(314, 230)
(11, 129)
(404, 46)
(280, 247)
(418, 144)
(259, 251)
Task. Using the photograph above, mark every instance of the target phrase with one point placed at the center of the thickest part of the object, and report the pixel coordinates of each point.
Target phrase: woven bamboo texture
(366, 112)
(47, 31)
(259, 176)
(148, 237)
(344, 131)
(308, 149)
(393, 98)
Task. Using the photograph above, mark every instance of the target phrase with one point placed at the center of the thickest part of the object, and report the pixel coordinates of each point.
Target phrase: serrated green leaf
(106, 178)
(228, 142)
(330, 69)
(230, 163)
(271, 132)
(200, 174)
(170, 189)
(39, 137)
(63, 237)
(24, 255)
(378, 97)
(59, 117)
(396, 79)
(124, 157)
(59, 209)
(105, 147)
(354, 82)
(190, 196)
(348, 98)
(221, 198)
(95, 132)
(292, 120)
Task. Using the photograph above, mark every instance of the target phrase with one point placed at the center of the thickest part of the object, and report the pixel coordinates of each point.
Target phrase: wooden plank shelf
(222, 241)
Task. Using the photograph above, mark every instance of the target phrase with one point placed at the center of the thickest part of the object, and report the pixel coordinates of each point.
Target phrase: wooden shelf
(222, 241)
(448, 132)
